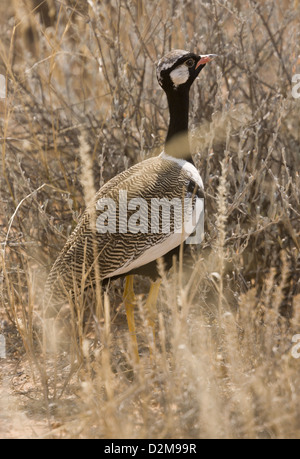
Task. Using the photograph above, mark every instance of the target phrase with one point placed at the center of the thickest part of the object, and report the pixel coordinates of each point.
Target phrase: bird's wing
(118, 252)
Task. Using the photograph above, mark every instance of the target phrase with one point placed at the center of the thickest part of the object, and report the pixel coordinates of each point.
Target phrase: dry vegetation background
(82, 105)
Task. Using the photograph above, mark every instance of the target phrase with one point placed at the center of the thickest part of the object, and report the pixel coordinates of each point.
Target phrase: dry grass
(85, 87)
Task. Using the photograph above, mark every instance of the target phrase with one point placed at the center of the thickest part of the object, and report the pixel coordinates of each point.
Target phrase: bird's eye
(189, 63)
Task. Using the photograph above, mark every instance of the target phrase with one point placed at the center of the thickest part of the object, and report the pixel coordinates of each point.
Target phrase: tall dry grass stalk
(82, 105)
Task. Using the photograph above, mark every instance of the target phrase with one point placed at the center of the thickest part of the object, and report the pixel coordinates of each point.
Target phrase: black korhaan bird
(93, 253)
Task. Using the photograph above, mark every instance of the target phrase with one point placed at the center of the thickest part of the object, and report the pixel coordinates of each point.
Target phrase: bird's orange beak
(205, 59)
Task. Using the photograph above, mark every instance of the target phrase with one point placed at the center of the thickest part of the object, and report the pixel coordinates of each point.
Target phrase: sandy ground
(15, 423)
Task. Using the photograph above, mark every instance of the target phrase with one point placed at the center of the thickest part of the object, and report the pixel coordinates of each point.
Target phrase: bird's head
(178, 69)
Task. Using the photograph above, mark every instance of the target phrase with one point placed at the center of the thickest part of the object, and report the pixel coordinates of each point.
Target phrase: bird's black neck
(177, 141)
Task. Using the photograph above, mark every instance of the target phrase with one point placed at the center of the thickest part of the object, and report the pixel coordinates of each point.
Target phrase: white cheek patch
(180, 75)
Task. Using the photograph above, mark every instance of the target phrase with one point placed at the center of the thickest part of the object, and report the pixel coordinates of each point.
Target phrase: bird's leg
(130, 302)
(151, 308)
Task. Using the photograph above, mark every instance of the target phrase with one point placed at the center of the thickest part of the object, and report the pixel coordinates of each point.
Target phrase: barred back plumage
(155, 178)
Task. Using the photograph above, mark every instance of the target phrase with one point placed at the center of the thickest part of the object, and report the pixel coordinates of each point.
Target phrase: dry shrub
(222, 366)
